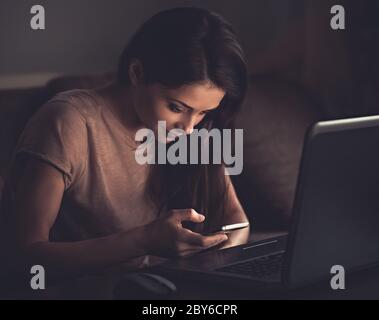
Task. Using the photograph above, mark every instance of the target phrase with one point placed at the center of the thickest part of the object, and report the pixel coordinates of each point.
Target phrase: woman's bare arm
(39, 193)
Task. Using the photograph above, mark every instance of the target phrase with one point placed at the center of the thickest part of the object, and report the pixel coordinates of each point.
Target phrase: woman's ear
(136, 72)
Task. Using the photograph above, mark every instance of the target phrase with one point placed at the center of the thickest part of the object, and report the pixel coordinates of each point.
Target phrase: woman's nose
(188, 130)
(187, 126)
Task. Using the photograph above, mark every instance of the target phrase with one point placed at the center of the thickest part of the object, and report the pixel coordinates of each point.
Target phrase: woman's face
(181, 108)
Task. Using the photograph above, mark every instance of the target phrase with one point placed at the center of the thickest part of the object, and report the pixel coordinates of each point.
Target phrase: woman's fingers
(188, 215)
(198, 240)
(187, 241)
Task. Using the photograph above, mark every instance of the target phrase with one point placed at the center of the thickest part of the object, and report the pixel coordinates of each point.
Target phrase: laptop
(335, 218)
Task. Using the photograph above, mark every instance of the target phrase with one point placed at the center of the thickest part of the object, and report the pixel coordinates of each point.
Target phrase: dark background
(87, 36)
(287, 37)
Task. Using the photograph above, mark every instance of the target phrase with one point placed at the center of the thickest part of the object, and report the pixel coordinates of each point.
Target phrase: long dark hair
(184, 46)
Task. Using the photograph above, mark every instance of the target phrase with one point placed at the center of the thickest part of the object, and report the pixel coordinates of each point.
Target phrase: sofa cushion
(275, 117)
(65, 83)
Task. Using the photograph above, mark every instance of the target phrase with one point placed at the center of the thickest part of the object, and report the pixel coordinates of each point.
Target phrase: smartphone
(230, 227)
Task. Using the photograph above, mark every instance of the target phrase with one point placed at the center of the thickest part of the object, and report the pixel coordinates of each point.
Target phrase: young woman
(76, 198)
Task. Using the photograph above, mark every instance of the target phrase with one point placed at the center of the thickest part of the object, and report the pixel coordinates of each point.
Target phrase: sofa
(275, 116)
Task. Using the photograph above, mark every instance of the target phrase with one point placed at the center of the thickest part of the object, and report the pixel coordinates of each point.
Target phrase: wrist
(142, 239)
(134, 243)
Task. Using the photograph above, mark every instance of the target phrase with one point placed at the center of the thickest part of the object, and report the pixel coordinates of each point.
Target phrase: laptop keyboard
(257, 268)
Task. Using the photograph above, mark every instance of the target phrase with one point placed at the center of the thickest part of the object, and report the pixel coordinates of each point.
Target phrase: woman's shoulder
(83, 102)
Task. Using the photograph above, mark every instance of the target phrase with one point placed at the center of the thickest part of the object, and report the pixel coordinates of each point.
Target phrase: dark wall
(291, 38)
(87, 36)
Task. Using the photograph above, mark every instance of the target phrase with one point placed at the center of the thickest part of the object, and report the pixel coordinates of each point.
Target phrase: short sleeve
(57, 135)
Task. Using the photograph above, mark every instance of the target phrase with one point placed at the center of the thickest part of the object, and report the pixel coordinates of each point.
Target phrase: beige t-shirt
(105, 188)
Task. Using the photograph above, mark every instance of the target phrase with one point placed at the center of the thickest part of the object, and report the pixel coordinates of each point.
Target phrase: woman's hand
(167, 237)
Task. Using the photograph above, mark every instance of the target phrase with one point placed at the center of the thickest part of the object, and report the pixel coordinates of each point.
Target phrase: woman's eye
(174, 108)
